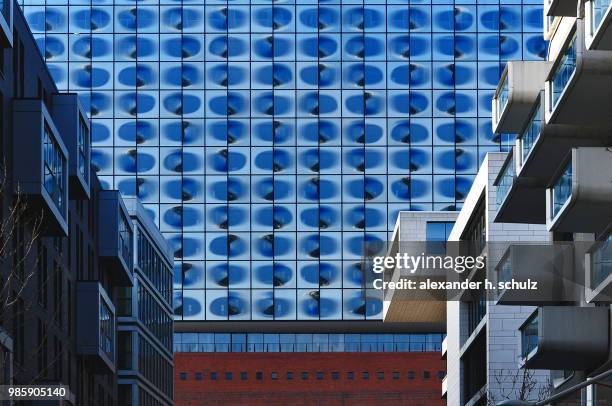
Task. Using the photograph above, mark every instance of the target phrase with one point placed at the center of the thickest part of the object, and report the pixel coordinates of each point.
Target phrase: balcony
(40, 164)
(95, 325)
(6, 23)
(542, 146)
(579, 85)
(75, 130)
(579, 198)
(516, 94)
(598, 271)
(116, 238)
(548, 266)
(567, 8)
(518, 200)
(565, 337)
(598, 23)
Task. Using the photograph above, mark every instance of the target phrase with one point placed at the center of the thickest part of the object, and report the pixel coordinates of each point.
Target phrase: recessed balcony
(541, 146)
(516, 94)
(598, 271)
(579, 199)
(95, 319)
(598, 23)
(565, 338)
(40, 164)
(75, 130)
(546, 265)
(567, 8)
(579, 85)
(518, 200)
(6, 23)
(116, 236)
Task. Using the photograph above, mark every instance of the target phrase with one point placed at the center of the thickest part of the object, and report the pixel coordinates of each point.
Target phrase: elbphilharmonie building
(270, 139)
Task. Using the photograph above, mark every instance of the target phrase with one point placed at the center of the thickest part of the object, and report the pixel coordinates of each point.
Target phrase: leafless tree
(520, 384)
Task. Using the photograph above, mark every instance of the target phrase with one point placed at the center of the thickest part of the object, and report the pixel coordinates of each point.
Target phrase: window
(335, 375)
(274, 375)
(259, 375)
(229, 376)
(183, 376)
(244, 376)
(319, 375)
(426, 374)
(213, 376)
(365, 375)
(395, 375)
(289, 376)
(198, 376)
(83, 147)
(350, 375)
(438, 230)
(380, 375)
(54, 169)
(107, 330)
(411, 375)
(304, 376)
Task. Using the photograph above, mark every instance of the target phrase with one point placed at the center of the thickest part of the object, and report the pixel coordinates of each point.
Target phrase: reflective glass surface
(321, 342)
(564, 72)
(505, 181)
(600, 7)
(529, 336)
(54, 170)
(532, 131)
(502, 97)
(562, 190)
(268, 140)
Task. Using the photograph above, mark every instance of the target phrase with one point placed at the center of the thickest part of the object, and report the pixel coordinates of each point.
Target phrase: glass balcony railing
(601, 262)
(529, 336)
(54, 170)
(599, 10)
(5, 8)
(125, 241)
(563, 73)
(504, 270)
(562, 190)
(532, 131)
(505, 182)
(502, 97)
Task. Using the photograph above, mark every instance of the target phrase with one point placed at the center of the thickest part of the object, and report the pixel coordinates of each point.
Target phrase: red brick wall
(419, 391)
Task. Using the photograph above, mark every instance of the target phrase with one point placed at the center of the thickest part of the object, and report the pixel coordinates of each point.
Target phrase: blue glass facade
(268, 139)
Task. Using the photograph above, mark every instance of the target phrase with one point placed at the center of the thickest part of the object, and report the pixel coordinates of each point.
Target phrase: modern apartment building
(145, 322)
(562, 162)
(483, 341)
(66, 244)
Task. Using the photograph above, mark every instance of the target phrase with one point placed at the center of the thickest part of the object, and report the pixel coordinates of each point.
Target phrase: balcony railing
(502, 97)
(562, 190)
(563, 72)
(505, 182)
(529, 336)
(532, 131)
(601, 262)
(599, 9)
(54, 170)
(565, 337)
